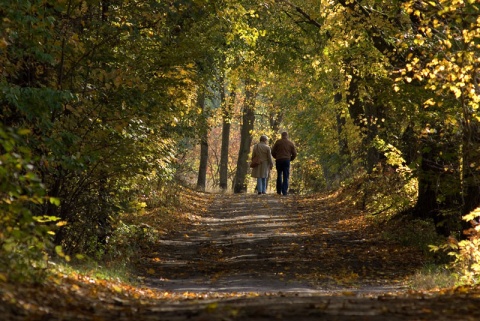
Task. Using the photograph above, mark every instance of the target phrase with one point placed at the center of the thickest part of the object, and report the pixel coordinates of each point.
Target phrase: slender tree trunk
(409, 145)
(275, 118)
(365, 115)
(251, 87)
(426, 206)
(372, 115)
(202, 171)
(227, 117)
(343, 149)
(470, 169)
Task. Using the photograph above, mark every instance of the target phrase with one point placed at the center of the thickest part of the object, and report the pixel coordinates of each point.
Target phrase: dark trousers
(283, 174)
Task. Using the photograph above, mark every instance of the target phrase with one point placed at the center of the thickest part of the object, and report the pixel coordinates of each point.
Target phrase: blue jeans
(283, 174)
(262, 185)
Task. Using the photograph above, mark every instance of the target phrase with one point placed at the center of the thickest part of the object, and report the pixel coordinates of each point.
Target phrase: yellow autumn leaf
(456, 91)
(117, 289)
(419, 40)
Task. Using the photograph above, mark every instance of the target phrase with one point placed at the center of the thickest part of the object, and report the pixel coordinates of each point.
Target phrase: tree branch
(309, 19)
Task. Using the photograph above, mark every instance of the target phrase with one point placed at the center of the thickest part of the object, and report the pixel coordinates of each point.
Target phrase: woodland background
(108, 106)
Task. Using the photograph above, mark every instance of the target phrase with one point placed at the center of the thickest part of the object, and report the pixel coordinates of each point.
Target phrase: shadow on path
(271, 244)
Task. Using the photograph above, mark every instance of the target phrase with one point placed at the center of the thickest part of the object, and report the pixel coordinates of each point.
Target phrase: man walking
(284, 152)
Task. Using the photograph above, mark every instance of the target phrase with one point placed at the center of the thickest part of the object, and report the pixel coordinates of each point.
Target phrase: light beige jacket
(266, 161)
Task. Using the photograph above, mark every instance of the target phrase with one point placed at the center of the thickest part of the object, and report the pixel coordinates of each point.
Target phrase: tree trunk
(449, 185)
(275, 119)
(202, 171)
(439, 183)
(426, 205)
(365, 114)
(343, 149)
(332, 173)
(372, 115)
(227, 117)
(240, 185)
(470, 169)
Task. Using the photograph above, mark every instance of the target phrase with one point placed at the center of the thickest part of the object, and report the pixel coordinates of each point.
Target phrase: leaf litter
(245, 257)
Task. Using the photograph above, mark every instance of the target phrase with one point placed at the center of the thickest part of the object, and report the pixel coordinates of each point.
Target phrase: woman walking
(261, 172)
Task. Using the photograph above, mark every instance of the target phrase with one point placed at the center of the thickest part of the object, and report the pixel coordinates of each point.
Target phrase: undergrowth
(155, 216)
(431, 277)
(465, 253)
(135, 230)
(388, 200)
(388, 197)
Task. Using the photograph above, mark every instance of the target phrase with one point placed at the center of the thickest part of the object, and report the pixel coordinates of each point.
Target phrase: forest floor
(256, 257)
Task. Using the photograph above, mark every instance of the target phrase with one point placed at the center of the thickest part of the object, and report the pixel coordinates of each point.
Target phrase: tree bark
(227, 106)
(275, 119)
(365, 114)
(202, 170)
(251, 87)
(343, 149)
(470, 169)
(440, 182)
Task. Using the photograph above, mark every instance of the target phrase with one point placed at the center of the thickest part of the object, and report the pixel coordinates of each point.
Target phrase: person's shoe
(259, 193)
(264, 193)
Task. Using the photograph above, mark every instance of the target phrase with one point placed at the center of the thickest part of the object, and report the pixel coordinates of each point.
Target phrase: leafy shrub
(127, 240)
(24, 238)
(390, 188)
(465, 253)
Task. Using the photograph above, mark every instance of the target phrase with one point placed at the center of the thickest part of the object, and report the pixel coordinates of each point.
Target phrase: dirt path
(295, 259)
(256, 258)
(271, 244)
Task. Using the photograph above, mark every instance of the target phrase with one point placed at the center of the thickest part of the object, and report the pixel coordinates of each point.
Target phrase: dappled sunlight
(245, 242)
(294, 253)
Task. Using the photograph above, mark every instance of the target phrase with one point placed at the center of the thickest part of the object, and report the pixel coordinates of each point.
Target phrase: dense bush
(25, 238)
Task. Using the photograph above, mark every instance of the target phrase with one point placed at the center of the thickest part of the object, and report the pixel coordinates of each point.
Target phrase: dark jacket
(284, 149)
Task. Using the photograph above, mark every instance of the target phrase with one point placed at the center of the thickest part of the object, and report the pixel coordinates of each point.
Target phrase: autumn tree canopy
(104, 103)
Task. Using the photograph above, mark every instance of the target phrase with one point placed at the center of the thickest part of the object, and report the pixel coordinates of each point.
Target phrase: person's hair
(263, 138)
(284, 134)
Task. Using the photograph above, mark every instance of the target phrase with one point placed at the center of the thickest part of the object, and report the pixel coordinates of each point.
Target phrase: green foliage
(443, 64)
(386, 193)
(106, 96)
(465, 253)
(24, 237)
(127, 240)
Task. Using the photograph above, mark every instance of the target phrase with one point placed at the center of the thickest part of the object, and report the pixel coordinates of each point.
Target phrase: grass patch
(432, 277)
(114, 271)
